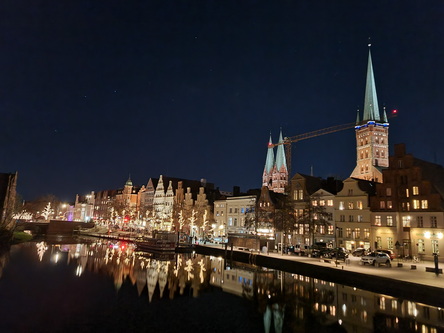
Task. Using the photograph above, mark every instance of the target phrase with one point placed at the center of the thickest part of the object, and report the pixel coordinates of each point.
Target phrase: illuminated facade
(275, 175)
(408, 209)
(352, 214)
(371, 135)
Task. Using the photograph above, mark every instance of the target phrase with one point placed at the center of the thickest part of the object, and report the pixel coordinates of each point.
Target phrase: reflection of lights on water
(79, 270)
(340, 321)
(56, 257)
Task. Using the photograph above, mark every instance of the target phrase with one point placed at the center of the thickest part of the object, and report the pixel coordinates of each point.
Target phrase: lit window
(389, 221)
(359, 204)
(314, 203)
(341, 205)
(382, 204)
(366, 233)
(389, 204)
(406, 221)
(415, 190)
(378, 220)
(407, 192)
(350, 205)
(348, 232)
(321, 202)
(424, 204)
(416, 204)
(330, 203)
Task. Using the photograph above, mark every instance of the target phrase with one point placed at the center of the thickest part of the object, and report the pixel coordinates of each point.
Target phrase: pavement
(400, 269)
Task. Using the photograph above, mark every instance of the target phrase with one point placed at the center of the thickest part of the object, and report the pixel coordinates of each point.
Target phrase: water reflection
(287, 302)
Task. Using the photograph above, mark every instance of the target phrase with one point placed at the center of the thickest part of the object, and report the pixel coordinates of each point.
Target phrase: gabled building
(352, 213)
(371, 134)
(408, 208)
(311, 198)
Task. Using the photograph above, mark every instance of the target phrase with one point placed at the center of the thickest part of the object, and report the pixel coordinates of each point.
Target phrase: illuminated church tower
(371, 135)
(275, 175)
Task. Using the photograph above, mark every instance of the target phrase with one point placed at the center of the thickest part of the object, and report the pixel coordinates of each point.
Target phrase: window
(382, 204)
(406, 221)
(357, 233)
(350, 218)
(322, 229)
(242, 210)
(366, 233)
(407, 192)
(321, 202)
(330, 229)
(420, 221)
(342, 218)
(348, 232)
(235, 210)
(421, 246)
(416, 204)
(389, 204)
(341, 205)
(330, 203)
(389, 221)
(350, 205)
(231, 210)
(389, 242)
(359, 204)
(415, 190)
(424, 204)
(350, 192)
(360, 218)
(435, 248)
(230, 221)
(433, 223)
(340, 233)
(388, 191)
(235, 221)
(301, 229)
(378, 220)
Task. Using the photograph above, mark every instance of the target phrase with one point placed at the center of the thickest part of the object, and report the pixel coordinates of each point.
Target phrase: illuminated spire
(371, 108)
(270, 157)
(280, 154)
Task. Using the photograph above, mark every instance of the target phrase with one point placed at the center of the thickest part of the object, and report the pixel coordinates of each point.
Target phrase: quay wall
(378, 284)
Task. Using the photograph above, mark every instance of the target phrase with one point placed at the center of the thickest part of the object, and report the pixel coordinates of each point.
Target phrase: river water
(103, 286)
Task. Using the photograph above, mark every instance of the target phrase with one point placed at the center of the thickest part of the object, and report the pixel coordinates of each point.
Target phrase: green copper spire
(280, 154)
(270, 157)
(129, 182)
(371, 109)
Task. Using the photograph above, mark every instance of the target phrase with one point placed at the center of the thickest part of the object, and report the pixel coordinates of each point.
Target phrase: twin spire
(275, 175)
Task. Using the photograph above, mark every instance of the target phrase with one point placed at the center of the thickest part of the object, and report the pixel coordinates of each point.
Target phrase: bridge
(53, 227)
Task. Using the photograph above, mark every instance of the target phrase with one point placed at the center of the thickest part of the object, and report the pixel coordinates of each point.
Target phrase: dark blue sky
(91, 91)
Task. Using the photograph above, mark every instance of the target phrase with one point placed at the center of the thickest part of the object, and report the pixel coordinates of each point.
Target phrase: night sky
(92, 91)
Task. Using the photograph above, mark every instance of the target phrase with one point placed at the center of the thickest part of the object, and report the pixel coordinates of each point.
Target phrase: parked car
(389, 252)
(376, 258)
(340, 252)
(359, 252)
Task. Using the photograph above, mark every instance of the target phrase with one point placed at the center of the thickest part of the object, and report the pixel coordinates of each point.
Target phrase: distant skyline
(91, 92)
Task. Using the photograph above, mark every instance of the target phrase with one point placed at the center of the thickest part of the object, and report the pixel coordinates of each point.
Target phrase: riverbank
(403, 279)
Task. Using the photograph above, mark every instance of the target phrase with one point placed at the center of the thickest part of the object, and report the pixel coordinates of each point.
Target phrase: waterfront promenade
(400, 270)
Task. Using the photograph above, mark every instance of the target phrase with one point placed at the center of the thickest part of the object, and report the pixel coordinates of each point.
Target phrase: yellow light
(427, 234)
(440, 235)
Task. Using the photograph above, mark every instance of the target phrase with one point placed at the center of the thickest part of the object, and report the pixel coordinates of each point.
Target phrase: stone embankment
(416, 283)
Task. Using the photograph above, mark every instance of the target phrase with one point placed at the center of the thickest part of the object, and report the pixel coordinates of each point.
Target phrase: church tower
(275, 175)
(280, 171)
(371, 134)
(267, 176)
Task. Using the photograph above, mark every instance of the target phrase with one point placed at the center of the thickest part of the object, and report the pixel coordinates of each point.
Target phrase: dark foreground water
(109, 287)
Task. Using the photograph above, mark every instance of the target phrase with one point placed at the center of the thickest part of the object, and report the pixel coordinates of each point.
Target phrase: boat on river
(161, 242)
(153, 244)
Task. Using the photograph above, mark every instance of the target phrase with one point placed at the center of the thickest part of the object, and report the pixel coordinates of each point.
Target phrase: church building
(371, 134)
(275, 175)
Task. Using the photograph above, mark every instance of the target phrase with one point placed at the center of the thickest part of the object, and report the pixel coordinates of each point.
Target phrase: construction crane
(289, 140)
